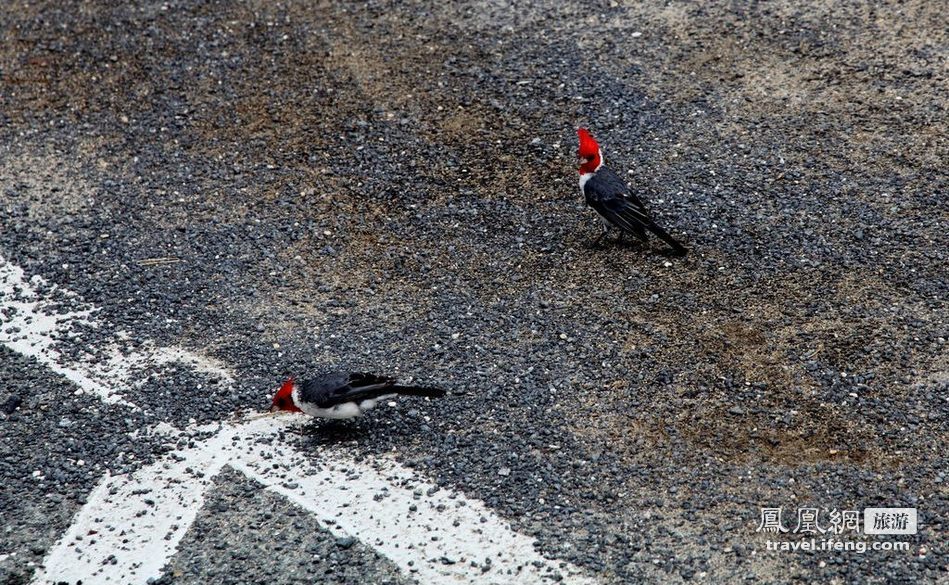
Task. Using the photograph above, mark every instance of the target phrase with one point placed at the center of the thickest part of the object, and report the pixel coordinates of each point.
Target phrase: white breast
(344, 410)
(583, 180)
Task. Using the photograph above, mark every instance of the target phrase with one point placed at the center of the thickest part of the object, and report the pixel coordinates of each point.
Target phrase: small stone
(10, 404)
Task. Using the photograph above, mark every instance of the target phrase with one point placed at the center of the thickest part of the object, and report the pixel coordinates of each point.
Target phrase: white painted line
(32, 325)
(131, 525)
(28, 323)
(430, 533)
(199, 363)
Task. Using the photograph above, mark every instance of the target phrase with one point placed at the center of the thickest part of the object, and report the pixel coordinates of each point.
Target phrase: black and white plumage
(612, 199)
(343, 395)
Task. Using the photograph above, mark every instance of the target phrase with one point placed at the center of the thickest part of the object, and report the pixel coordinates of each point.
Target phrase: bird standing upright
(341, 394)
(609, 196)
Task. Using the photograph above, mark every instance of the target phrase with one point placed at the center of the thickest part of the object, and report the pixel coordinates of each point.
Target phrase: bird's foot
(597, 244)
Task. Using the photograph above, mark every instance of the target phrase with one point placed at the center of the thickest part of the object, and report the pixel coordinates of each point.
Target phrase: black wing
(611, 198)
(339, 387)
(606, 193)
(335, 388)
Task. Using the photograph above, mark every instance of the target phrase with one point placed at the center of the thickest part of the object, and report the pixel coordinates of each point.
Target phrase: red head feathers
(283, 399)
(588, 152)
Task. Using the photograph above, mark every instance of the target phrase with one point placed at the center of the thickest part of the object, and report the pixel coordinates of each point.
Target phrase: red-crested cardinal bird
(342, 394)
(609, 196)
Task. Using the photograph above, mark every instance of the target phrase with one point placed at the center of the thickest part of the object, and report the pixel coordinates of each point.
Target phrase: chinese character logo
(889, 521)
(771, 521)
(807, 521)
(875, 521)
(844, 520)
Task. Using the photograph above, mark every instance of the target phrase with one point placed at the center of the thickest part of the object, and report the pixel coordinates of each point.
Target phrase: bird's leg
(599, 238)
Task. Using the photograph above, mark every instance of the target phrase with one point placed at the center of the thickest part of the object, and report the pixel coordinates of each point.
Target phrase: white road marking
(131, 525)
(31, 324)
(199, 363)
(435, 536)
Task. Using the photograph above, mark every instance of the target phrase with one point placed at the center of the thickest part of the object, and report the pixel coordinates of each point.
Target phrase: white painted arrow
(131, 525)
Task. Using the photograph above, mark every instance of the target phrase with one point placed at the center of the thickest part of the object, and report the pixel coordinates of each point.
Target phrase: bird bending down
(609, 196)
(341, 394)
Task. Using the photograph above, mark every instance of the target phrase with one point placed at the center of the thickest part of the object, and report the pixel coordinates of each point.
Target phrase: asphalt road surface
(198, 199)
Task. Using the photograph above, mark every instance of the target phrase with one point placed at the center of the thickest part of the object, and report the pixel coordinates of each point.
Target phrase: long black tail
(677, 248)
(417, 391)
